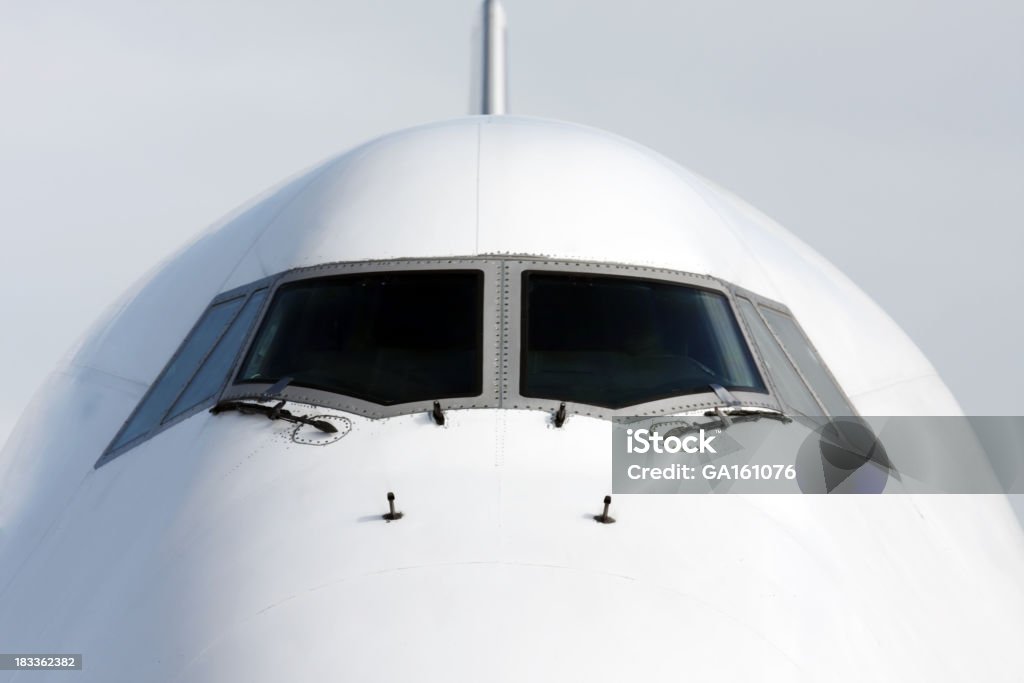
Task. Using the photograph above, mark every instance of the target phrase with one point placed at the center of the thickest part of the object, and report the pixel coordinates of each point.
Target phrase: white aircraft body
(166, 542)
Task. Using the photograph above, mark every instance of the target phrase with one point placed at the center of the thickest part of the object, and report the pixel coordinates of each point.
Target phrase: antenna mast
(494, 93)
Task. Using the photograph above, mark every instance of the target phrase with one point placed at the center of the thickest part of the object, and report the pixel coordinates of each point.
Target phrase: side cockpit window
(802, 379)
(809, 363)
(196, 372)
(791, 388)
(214, 370)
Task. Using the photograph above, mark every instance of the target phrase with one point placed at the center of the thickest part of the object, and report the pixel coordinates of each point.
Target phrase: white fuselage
(221, 549)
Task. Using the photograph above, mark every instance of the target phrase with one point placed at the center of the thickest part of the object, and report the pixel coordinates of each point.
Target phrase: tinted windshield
(619, 341)
(392, 337)
(810, 364)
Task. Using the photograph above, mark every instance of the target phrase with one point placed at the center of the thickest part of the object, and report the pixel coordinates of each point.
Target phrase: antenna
(494, 90)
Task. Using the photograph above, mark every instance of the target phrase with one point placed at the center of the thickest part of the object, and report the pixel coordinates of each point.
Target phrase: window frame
(489, 395)
(512, 348)
(760, 302)
(243, 293)
(502, 337)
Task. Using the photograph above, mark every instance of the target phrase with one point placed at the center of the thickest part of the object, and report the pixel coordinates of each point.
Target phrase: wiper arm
(728, 414)
(734, 408)
(274, 412)
(726, 417)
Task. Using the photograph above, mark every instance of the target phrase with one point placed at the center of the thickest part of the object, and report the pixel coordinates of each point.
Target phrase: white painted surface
(517, 185)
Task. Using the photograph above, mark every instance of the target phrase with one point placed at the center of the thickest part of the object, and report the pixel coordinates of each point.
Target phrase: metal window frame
(758, 302)
(167, 421)
(489, 396)
(511, 361)
(209, 399)
(501, 344)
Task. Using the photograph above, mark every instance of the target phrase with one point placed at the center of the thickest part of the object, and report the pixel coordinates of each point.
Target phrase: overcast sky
(888, 134)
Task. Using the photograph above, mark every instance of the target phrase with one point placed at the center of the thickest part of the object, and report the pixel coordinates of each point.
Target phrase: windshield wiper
(726, 417)
(274, 412)
(739, 413)
(734, 408)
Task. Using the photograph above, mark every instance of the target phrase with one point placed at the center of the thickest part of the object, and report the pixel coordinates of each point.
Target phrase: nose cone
(492, 622)
(496, 572)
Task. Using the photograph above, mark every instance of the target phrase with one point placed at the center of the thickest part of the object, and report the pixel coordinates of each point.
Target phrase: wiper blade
(726, 417)
(274, 412)
(734, 408)
(728, 414)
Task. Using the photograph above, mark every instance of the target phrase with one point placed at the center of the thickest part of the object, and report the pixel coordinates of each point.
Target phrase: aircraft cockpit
(388, 338)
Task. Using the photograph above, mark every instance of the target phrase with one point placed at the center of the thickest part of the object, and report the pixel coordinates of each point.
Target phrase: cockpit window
(808, 361)
(196, 372)
(791, 388)
(386, 337)
(613, 341)
(214, 370)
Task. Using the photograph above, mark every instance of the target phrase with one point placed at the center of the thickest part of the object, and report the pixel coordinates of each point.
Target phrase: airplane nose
(492, 622)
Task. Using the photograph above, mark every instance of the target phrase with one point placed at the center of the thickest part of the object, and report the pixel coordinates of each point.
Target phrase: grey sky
(889, 134)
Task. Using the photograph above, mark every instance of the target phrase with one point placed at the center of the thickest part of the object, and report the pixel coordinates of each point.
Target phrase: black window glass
(807, 359)
(168, 386)
(215, 368)
(619, 341)
(792, 390)
(388, 338)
